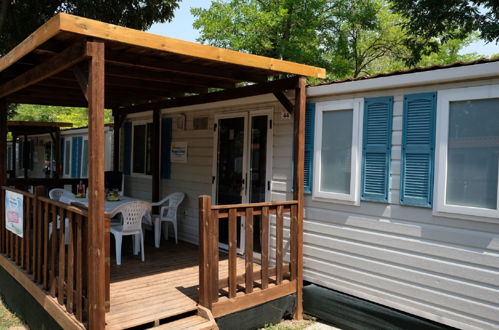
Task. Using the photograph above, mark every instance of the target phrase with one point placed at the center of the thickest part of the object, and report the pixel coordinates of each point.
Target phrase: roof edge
(410, 79)
(35, 39)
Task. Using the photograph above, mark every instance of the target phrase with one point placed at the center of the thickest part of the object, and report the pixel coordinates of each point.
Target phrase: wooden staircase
(203, 320)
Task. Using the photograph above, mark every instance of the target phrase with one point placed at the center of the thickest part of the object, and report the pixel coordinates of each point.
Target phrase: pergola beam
(229, 94)
(285, 102)
(67, 58)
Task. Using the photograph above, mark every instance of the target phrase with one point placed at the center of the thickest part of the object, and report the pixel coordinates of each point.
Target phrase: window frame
(444, 98)
(353, 198)
(144, 122)
(85, 138)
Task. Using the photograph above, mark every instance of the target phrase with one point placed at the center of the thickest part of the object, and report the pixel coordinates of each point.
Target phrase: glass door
(230, 170)
(242, 168)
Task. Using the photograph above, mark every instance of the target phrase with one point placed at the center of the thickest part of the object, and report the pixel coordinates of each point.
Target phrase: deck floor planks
(165, 285)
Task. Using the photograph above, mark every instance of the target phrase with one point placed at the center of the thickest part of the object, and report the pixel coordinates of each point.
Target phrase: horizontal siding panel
(398, 287)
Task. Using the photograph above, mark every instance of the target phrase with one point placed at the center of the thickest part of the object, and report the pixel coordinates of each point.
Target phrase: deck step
(194, 322)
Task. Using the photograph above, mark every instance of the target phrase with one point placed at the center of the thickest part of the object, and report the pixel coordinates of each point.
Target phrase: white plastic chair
(168, 213)
(131, 215)
(63, 196)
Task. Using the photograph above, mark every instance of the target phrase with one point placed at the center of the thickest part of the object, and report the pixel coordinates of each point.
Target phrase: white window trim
(354, 196)
(132, 173)
(444, 99)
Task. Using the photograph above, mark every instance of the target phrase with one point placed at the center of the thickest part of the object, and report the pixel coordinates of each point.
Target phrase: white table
(111, 206)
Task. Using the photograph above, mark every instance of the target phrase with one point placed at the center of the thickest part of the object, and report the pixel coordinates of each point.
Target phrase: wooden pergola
(26, 128)
(74, 61)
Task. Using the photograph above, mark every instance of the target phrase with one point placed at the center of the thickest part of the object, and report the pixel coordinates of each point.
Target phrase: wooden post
(14, 156)
(204, 251)
(26, 156)
(155, 159)
(3, 143)
(96, 226)
(116, 136)
(299, 166)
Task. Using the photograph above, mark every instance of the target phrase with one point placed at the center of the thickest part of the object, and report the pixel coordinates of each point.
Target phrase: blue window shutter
(76, 145)
(309, 147)
(127, 162)
(166, 142)
(418, 144)
(61, 165)
(376, 148)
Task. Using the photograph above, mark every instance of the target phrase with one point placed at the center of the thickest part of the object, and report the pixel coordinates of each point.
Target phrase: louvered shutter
(376, 148)
(127, 162)
(166, 142)
(309, 147)
(418, 141)
(76, 145)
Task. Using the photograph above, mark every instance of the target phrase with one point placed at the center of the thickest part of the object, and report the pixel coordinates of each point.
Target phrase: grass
(291, 324)
(8, 320)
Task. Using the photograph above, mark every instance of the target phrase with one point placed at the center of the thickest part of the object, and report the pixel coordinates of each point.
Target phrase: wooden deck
(159, 289)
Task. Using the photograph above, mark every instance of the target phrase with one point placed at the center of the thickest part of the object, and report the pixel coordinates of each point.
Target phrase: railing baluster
(62, 256)
(293, 240)
(232, 252)
(70, 266)
(249, 250)
(53, 251)
(45, 261)
(204, 251)
(214, 255)
(279, 243)
(79, 268)
(264, 238)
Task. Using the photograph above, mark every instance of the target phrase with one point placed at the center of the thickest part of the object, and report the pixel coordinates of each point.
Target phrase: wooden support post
(155, 159)
(96, 226)
(116, 136)
(3, 143)
(26, 156)
(299, 166)
(14, 156)
(204, 251)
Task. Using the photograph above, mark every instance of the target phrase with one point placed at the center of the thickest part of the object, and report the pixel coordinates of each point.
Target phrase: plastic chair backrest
(61, 195)
(174, 201)
(132, 214)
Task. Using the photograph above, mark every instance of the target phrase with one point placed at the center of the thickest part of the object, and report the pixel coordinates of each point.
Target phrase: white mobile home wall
(444, 268)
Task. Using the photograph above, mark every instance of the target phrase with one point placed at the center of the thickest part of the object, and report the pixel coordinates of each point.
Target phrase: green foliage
(350, 38)
(18, 19)
(77, 116)
(435, 22)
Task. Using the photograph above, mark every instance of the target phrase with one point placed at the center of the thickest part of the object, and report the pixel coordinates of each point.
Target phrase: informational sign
(14, 212)
(178, 152)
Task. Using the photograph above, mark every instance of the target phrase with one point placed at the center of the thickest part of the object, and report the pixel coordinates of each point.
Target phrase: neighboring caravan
(74, 144)
(428, 246)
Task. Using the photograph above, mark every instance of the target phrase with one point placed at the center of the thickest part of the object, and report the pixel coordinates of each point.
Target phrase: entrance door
(242, 168)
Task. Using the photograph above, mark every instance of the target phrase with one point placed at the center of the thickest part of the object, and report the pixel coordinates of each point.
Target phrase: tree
(77, 116)
(284, 29)
(20, 18)
(434, 22)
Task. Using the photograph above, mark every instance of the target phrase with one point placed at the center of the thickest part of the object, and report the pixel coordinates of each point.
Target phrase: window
(336, 150)
(141, 151)
(468, 151)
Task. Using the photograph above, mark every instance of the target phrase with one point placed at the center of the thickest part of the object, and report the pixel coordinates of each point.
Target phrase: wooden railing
(48, 183)
(272, 280)
(53, 249)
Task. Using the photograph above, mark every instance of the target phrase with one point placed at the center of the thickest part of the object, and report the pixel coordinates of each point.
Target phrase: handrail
(53, 249)
(270, 281)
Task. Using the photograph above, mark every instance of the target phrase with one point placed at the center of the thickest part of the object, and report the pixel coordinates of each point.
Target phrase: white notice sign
(14, 212)
(178, 152)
